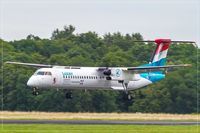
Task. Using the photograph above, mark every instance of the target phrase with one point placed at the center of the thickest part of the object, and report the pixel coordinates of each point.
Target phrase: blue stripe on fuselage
(153, 76)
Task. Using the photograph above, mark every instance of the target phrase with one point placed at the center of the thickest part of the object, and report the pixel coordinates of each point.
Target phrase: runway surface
(91, 122)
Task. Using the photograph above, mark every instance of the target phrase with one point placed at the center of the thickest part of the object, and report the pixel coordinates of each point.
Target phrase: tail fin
(159, 56)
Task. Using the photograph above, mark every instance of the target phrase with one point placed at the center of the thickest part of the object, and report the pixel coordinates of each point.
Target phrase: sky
(175, 19)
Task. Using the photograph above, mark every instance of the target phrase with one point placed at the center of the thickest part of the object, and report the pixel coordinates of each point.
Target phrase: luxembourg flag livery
(158, 59)
(160, 53)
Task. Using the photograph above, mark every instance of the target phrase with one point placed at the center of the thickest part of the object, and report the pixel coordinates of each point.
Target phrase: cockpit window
(40, 73)
(47, 73)
(43, 73)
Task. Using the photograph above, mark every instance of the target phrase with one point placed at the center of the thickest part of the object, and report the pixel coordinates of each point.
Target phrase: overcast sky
(175, 19)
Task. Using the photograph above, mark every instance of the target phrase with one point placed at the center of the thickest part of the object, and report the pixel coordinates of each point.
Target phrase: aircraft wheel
(35, 92)
(129, 97)
(68, 95)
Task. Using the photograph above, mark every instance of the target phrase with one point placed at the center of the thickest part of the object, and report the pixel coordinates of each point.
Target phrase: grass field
(45, 128)
(96, 116)
(62, 128)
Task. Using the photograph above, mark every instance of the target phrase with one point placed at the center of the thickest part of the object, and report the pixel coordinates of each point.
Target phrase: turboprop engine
(107, 72)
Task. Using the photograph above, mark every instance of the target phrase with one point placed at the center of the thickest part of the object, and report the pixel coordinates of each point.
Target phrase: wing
(29, 64)
(154, 68)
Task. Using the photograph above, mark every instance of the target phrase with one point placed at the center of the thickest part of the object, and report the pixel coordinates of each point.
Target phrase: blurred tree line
(177, 93)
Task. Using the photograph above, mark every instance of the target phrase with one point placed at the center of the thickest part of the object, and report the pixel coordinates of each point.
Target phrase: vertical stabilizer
(159, 56)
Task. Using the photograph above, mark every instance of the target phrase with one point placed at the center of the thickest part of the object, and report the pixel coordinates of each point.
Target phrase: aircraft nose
(32, 82)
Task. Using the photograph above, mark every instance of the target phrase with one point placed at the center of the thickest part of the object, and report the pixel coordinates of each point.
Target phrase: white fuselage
(84, 78)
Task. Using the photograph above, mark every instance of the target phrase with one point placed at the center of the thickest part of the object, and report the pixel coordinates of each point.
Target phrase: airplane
(105, 78)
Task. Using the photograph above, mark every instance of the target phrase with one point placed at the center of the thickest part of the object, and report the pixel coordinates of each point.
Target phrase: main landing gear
(68, 95)
(127, 96)
(35, 91)
(125, 86)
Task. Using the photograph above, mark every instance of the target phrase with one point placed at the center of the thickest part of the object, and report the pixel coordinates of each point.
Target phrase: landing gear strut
(35, 91)
(68, 95)
(125, 86)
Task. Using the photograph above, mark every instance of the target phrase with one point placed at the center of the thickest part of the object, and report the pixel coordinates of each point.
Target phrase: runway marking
(95, 122)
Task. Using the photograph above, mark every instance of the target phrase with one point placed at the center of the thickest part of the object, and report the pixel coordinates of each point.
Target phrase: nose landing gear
(68, 95)
(35, 91)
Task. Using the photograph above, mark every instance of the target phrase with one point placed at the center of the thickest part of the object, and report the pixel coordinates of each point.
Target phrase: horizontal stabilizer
(154, 68)
(176, 42)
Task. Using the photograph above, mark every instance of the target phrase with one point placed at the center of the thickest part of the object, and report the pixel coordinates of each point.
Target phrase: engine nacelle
(107, 72)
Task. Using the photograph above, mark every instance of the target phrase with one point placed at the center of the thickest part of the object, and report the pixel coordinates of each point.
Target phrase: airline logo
(65, 74)
(118, 72)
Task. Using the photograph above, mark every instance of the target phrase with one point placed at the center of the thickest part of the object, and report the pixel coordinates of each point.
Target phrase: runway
(106, 122)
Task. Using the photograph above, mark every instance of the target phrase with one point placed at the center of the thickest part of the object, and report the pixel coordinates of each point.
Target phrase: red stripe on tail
(164, 42)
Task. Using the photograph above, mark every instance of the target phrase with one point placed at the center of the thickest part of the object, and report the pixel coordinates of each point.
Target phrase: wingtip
(11, 62)
(188, 65)
(7, 62)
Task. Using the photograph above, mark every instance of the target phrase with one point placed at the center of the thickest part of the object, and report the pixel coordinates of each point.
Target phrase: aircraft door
(56, 78)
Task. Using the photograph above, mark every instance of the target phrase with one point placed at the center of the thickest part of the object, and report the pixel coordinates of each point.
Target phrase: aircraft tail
(160, 54)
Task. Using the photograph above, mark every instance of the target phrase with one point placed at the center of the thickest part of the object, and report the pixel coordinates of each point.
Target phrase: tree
(175, 94)
(32, 37)
(67, 32)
